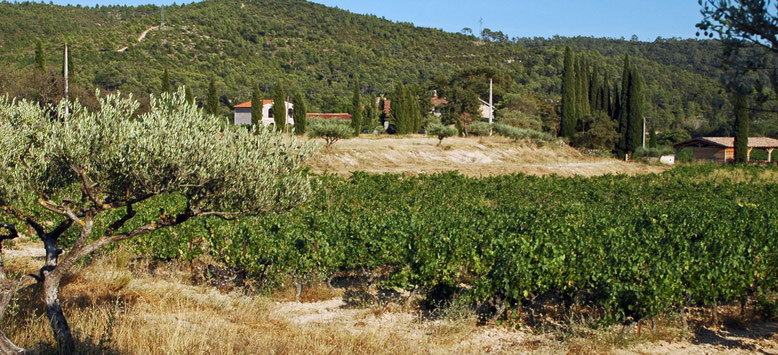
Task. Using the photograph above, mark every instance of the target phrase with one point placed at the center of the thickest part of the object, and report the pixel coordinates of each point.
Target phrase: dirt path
(470, 156)
(464, 336)
(144, 33)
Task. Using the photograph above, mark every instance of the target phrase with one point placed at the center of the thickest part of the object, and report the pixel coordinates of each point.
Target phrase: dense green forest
(322, 51)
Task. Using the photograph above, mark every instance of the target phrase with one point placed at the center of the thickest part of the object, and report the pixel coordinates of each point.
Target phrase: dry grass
(114, 310)
(119, 304)
(473, 156)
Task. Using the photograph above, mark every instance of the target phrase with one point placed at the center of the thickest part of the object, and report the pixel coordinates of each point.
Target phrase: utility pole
(162, 24)
(644, 132)
(67, 89)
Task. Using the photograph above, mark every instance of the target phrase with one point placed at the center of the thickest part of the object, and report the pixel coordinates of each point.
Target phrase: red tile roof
(247, 104)
(729, 142)
(327, 116)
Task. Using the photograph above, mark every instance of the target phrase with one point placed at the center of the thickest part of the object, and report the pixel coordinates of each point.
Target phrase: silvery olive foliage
(175, 147)
(66, 167)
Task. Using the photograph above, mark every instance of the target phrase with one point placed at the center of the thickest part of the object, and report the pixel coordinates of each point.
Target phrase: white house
(243, 113)
(485, 109)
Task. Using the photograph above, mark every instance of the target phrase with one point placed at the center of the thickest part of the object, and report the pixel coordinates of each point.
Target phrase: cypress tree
(356, 110)
(577, 88)
(188, 96)
(212, 105)
(616, 104)
(652, 137)
(256, 106)
(40, 60)
(400, 110)
(166, 81)
(634, 138)
(624, 102)
(300, 112)
(742, 128)
(370, 115)
(583, 85)
(567, 126)
(279, 107)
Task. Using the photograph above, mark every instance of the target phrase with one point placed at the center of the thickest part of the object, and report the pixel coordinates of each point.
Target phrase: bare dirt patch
(485, 156)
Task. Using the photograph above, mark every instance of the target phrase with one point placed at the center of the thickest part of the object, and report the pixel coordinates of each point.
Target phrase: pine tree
(356, 110)
(212, 105)
(742, 128)
(634, 138)
(188, 96)
(166, 82)
(40, 60)
(256, 106)
(567, 126)
(279, 107)
(300, 112)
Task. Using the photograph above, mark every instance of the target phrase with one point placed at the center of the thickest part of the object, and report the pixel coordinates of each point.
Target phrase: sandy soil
(470, 156)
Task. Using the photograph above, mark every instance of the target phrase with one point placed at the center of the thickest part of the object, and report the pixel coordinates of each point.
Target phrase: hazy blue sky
(647, 19)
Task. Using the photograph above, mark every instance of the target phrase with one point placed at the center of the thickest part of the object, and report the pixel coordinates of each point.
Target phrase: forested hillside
(323, 50)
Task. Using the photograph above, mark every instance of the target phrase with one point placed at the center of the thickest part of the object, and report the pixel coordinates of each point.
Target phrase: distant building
(330, 116)
(243, 113)
(485, 109)
(722, 149)
(437, 104)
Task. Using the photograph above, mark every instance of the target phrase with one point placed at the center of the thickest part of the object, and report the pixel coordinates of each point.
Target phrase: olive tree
(330, 130)
(65, 172)
(441, 131)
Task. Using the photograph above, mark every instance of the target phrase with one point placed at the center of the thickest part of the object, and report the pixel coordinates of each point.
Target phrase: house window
(289, 113)
(270, 113)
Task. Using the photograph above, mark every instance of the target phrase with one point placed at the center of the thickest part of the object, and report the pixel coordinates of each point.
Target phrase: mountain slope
(322, 49)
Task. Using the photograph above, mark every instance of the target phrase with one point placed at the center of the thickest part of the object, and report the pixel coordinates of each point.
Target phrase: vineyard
(611, 248)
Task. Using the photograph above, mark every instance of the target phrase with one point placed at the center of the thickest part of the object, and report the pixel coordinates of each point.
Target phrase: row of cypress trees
(279, 99)
(406, 110)
(587, 92)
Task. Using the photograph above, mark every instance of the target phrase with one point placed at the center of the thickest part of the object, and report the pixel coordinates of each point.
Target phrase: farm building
(243, 113)
(722, 149)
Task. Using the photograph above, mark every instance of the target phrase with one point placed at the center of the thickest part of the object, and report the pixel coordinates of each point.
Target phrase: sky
(647, 19)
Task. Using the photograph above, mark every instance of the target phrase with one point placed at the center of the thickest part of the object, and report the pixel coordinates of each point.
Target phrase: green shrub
(430, 120)
(329, 130)
(519, 133)
(654, 152)
(686, 155)
(441, 131)
(480, 129)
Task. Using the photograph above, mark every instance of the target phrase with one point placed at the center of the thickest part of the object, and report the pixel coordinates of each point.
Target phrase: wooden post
(748, 158)
(769, 154)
